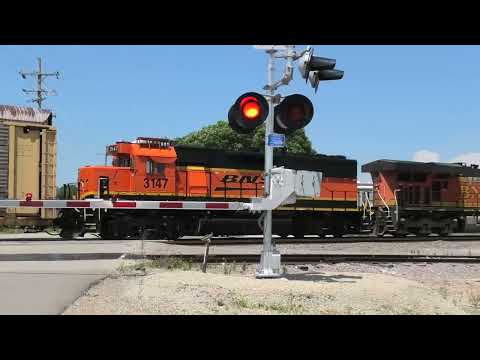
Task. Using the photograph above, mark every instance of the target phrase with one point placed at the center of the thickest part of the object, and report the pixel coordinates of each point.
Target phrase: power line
(41, 92)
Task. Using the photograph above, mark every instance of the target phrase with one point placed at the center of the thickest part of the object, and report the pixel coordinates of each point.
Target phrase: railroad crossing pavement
(47, 287)
(35, 280)
(41, 274)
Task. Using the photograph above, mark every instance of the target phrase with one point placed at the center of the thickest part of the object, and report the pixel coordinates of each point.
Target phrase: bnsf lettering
(245, 179)
(230, 178)
(248, 179)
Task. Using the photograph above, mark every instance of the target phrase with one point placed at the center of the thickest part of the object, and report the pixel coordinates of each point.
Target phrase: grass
(168, 263)
(474, 298)
(242, 302)
(178, 264)
(392, 310)
(291, 306)
(229, 268)
(11, 230)
(444, 292)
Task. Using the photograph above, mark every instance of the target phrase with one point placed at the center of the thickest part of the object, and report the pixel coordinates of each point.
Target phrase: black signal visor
(293, 113)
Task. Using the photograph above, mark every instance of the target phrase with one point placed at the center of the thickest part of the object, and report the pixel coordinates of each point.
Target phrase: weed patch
(177, 264)
(290, 306)
(162, 263)
(474, 298)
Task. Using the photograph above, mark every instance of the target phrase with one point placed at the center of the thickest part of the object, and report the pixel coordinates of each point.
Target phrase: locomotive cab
(144, 168)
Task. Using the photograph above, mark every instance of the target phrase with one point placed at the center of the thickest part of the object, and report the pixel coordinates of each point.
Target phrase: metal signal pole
(267, 264)
(270, 259)
(315, 69)
(41, 93)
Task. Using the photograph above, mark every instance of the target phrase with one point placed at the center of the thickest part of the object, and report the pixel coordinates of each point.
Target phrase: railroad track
(317, 258)
(345, 240)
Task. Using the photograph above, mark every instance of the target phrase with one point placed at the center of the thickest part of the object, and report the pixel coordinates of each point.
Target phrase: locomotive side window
(153, 168)
(149, 167)
(403, 177)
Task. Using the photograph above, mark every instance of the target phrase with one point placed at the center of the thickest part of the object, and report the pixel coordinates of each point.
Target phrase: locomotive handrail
(396, 204)
(386, 205)
(366, 204)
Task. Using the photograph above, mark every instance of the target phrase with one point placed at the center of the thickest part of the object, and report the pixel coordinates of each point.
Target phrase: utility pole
(40, 93)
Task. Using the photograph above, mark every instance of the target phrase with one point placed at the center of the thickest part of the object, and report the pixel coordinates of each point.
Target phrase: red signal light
(248, 112)
(250, 108)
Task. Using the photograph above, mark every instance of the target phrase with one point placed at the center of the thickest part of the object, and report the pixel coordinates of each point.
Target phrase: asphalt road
(36, 278)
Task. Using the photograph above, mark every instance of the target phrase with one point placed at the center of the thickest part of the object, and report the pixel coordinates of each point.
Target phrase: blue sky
(397, 102)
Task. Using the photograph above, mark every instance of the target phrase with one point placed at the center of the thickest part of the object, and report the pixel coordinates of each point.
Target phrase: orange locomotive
(156, 169)
(423, 198)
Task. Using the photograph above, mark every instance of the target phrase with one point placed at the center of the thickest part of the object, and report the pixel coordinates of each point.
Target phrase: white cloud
(426, 156)
(468, 158)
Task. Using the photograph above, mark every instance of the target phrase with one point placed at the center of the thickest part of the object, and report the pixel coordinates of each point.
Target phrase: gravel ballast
(321, 289)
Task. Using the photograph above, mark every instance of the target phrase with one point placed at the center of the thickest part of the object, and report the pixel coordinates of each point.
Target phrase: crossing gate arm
(285, 185)
(123, 204)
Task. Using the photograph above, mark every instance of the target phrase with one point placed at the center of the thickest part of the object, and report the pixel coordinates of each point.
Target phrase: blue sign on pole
(276, 140)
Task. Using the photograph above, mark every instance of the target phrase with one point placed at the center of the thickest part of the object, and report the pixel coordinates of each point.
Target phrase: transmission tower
(41, 93)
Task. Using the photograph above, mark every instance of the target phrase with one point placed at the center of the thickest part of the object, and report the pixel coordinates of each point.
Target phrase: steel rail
(316, 258)
(343, 240)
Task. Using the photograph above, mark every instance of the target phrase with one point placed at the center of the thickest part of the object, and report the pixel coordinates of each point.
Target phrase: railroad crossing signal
(251, 109)
(293, 113)
(249, 112)
(316, 69)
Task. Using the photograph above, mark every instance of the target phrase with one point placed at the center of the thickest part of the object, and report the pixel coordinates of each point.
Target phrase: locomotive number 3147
(155, 183)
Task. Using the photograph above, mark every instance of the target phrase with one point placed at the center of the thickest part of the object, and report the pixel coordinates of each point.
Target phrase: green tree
(221, 136)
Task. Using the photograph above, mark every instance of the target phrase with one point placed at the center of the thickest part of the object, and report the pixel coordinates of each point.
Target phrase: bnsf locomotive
(407, 197)
(156, 169)
(423, 198)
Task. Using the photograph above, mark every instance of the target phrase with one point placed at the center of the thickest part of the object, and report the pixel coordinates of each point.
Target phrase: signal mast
(282, 118)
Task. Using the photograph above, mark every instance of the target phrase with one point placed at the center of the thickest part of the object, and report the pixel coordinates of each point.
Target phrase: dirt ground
(345, 288)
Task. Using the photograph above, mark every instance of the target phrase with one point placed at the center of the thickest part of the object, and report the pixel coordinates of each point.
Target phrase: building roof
(26, 114)
(423, 167)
